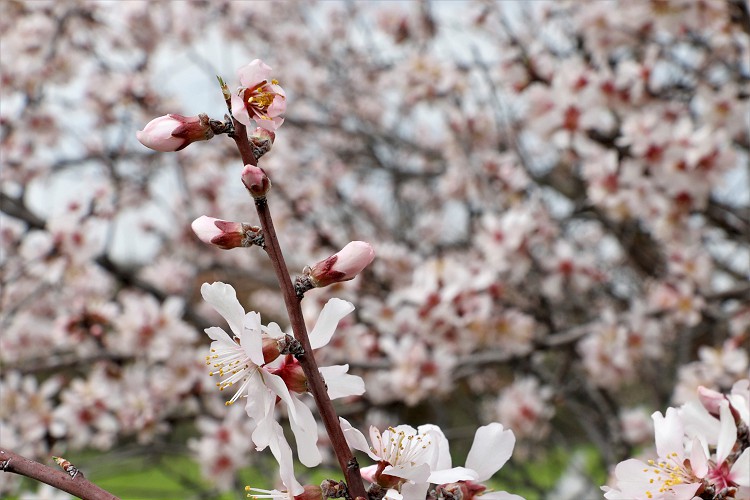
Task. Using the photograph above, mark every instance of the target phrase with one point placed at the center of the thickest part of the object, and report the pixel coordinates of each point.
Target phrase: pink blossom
(174, 132)
(258, 98)
(342, 266)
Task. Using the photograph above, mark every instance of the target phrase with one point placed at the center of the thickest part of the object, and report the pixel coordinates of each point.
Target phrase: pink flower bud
(466, 490)
(174, 132)
(292, 374)
(711, 400)
(343, 266)
(256, 181)
(224, 234)
(261, 141)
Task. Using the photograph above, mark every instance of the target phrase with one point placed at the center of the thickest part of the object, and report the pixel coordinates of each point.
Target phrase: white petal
(740, 472)
(283, 453)
(492, 447)
(727, 433)
(341, 384)
(300, 418)
(251, 339)
(356, 439)
(260, 400)
(439, 456)
(392, 494)
(223, 298)
(334, 310)
(452, 475)
(668, 434)
(419, 473)
(219, 335)
(305, 431)
(698, 460)
(274, 330)
(411, 491)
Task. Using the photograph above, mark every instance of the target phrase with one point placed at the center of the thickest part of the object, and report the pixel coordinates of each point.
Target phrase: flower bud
(465, 490)
(261, 140)
(711, 400)
(256, 181)
(271, 349)
(174, 132)
(292, 374)
(225, 234)
(343, 266)
(312, 492)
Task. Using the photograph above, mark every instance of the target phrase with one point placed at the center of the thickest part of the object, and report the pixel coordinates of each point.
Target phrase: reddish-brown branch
(78, 485)
(316, 385)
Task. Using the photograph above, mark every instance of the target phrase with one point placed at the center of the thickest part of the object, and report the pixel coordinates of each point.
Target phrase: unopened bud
(711, 400)
(271, 349)
(312, 492)
(261, 141)
(225, 234)
(256, 181)
(343, 266)
(174, 132)
(464, 490)
(292, 374)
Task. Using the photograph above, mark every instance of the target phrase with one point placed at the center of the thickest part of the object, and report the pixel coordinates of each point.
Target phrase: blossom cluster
(703, 451)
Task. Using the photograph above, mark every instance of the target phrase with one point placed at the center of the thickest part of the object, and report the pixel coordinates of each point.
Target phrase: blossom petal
(668, 434)
(219, 335)
(698, 458)
(239, 111)
(300, 418)
(492, 447)
(340, 383)
(283, 454)
(740, 472)
(334, 310)
(440, 457)
(727, 433)
(414, 491)
(305, 432)
(253, 73)
(251, 339)
(452, 475)
(417, 473)
(223, 299)
(260, 401)
(356, 439)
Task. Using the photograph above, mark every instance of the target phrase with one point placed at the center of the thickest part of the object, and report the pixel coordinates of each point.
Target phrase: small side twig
(73, 483)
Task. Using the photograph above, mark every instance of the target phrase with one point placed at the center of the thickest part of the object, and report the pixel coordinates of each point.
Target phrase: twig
(78, 485)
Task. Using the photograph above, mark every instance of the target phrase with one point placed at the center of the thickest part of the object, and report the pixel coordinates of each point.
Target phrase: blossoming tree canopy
(521, 225)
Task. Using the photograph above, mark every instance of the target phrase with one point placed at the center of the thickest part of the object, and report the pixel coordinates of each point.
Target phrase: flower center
(261, 96)
(667, 473)
(400, 447)
(232, 365)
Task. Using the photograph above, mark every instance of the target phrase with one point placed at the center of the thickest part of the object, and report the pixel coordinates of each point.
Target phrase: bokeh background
(557, 194)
